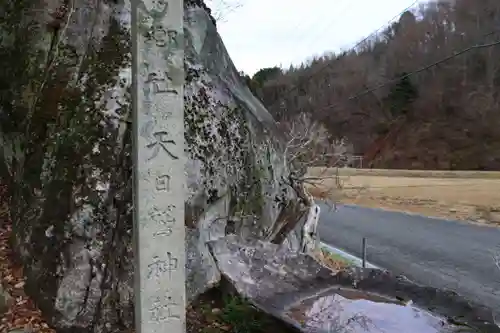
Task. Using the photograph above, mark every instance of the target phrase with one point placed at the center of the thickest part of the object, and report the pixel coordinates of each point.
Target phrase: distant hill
(443, 117)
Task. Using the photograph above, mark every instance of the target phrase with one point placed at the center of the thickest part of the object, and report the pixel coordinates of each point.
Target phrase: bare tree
(456, 101)
(310, 148)
(309, 144)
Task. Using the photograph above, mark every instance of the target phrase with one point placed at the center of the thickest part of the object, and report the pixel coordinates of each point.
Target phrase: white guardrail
(347, 256)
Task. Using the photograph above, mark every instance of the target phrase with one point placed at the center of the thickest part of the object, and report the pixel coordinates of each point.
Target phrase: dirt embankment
(462, 195)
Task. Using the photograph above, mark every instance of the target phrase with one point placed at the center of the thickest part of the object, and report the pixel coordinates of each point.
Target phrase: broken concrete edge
(285, 280)
(229, 286)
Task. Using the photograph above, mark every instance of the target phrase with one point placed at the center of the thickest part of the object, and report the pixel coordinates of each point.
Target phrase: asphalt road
(434, 252)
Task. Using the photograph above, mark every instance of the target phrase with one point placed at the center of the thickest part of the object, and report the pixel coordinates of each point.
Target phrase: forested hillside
(408, 97)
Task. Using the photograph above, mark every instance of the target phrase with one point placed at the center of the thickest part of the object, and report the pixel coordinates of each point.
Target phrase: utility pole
(159, 182)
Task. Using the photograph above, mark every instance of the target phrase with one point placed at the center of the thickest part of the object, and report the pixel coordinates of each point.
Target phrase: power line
(329, 23)
(456, 54)
(308, 77)
(300, 34)
(323, 28)
(384, 25)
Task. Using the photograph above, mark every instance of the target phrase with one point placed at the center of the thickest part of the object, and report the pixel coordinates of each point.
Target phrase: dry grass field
(463, 195)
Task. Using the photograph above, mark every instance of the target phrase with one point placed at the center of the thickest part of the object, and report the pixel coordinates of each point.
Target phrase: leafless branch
(222, 8)
(309, 145)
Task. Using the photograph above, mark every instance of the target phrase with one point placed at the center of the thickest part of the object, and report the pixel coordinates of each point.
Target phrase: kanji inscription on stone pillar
(158, 79)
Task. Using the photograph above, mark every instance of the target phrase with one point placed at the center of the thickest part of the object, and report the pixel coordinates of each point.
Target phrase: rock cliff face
(66, 157)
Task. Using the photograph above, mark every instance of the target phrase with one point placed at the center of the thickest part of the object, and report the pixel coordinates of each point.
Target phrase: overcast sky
(265, 33)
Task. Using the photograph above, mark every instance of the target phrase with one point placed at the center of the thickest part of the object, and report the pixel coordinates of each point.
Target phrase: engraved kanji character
(161, 141)
(159, 266)
(161, 309)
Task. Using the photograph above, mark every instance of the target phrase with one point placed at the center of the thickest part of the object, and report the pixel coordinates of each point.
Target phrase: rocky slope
(66, 157)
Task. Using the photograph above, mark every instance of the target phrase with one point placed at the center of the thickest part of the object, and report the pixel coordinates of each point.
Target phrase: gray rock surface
(294, 287)
(66, 154)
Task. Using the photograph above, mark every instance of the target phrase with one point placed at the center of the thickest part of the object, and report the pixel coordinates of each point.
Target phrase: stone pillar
(158, 78)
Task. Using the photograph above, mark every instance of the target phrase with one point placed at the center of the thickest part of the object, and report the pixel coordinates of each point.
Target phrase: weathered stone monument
(158, 74)
(70, 172)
